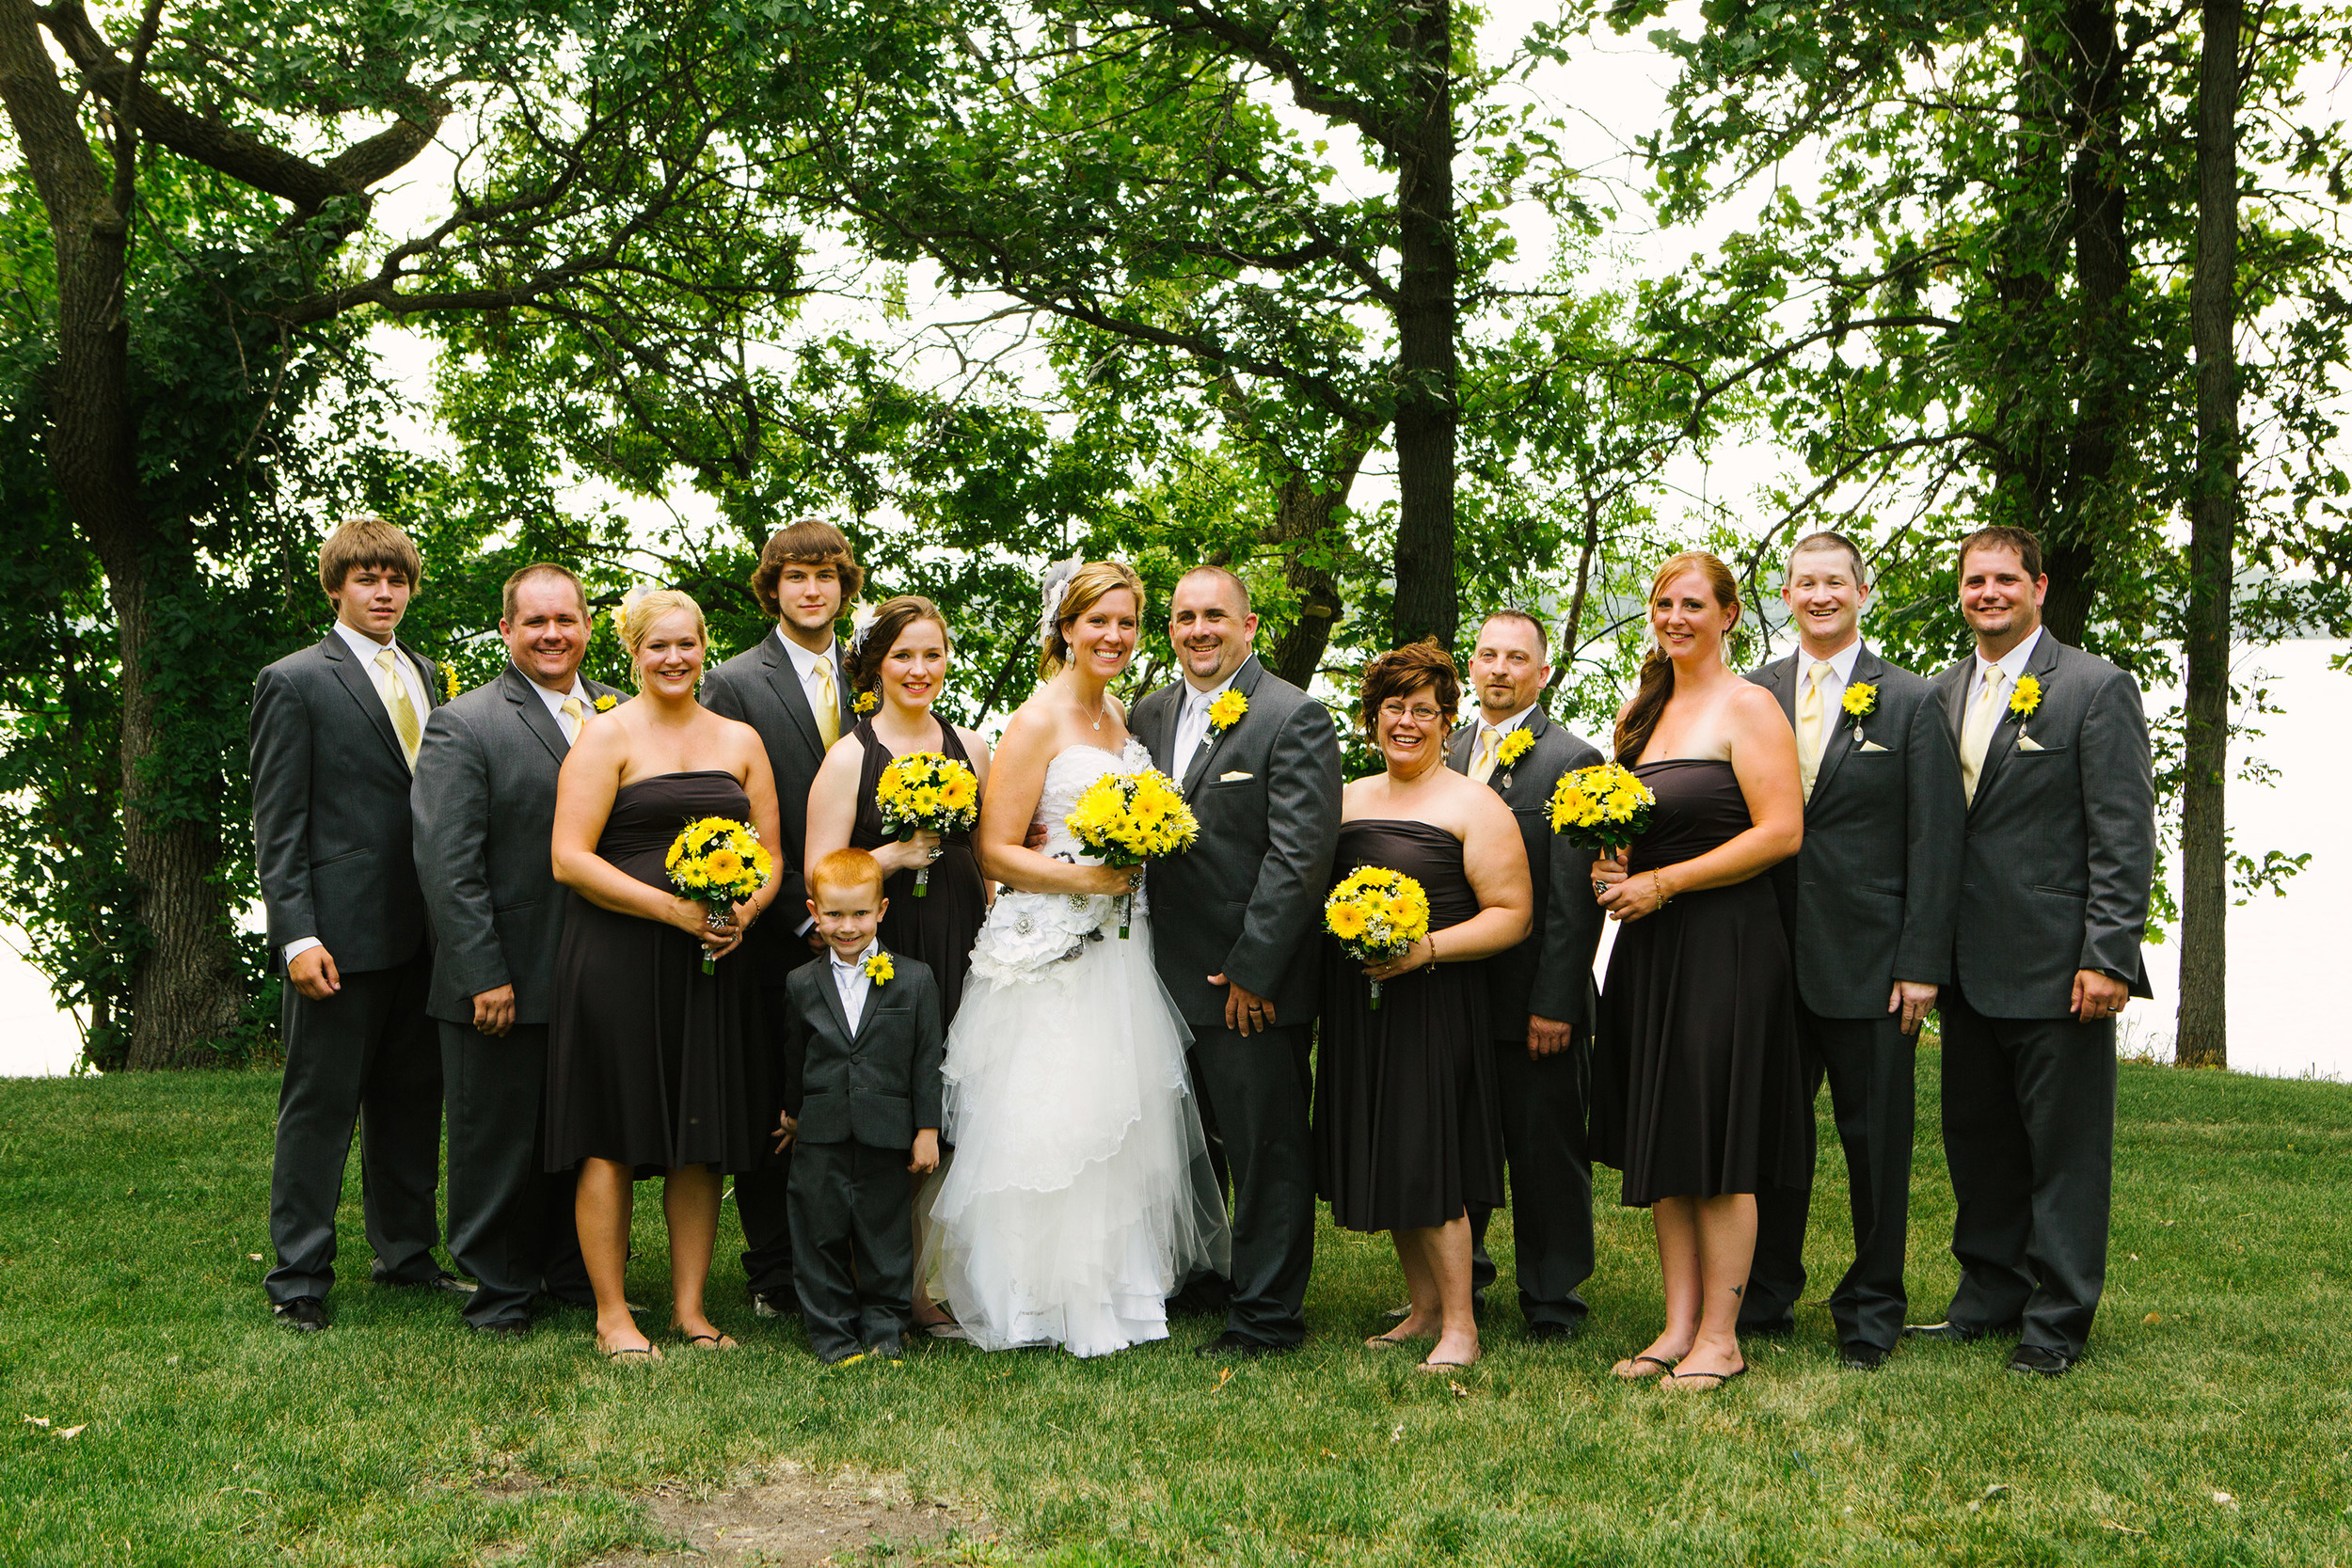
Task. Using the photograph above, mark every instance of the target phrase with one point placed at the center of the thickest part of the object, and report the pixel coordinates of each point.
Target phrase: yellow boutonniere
(2026, 697)
(1514, 746)
(607, 703)
(878, 968)
(449, 684)
(864, 703)
(1861, 698)
(1227, 710)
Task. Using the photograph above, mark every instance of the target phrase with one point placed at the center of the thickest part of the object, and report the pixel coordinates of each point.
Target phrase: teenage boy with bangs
(334, 737)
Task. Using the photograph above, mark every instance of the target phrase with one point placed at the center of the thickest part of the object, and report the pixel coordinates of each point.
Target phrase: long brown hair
(1641, 715)
(893, 618)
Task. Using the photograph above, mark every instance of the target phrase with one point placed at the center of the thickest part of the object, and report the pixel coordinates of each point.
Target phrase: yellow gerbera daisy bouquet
(719, 861)
(1377, 913)
(1128, 819)
(926, 791)
(1602, 808)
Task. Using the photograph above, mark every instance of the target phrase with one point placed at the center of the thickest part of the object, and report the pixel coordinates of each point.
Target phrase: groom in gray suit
(1541, 996)
(1868, 904)
(484, 811)
(333, 735)
(2060, 849)
(791, 689)
(1234, 925)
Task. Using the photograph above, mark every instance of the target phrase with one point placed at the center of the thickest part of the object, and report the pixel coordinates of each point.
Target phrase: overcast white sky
(1615, 89)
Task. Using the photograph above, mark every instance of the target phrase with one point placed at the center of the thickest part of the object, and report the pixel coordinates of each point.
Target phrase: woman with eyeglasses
(1407, 1129)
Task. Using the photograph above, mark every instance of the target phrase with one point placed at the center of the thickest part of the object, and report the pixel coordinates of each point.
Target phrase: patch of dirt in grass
(800, 1518)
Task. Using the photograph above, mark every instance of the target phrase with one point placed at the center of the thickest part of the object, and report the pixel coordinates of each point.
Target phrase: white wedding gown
(1081, 1195)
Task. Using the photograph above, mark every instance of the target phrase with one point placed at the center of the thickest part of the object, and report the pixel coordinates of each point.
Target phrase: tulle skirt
(1081, 1196)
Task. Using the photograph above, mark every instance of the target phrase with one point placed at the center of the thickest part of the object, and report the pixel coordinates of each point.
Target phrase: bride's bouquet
(719, 861)
(926, 791)
(1128, 819)
(1377, 913)
(1601, 808)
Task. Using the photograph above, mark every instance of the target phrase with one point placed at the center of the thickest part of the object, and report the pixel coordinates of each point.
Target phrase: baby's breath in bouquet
(1602, 808)
(721, 863)
(926, 791)
(1377, 913)
(1129, 818)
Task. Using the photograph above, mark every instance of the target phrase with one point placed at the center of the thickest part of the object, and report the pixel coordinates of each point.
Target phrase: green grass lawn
(130, 1305)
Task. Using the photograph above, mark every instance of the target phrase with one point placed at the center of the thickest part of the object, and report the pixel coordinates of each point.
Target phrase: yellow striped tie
(578, 714)
(828, 704)
(403, 712)
(1482, 767)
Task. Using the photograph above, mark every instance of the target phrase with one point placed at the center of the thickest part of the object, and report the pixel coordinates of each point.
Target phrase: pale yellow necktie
(576, 712)
(1482, 761)
(403, 712)
(828, 704)
(1975, 736)
(1809, 728)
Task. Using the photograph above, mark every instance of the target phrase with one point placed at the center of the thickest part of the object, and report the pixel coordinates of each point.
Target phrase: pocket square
(1234, 777)
(1872, 745)
(2027, 743)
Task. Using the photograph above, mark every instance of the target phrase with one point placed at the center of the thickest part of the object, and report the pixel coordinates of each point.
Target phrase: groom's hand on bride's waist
(1245, 1011)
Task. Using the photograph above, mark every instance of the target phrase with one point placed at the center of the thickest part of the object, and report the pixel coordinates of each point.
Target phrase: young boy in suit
(868, 1024)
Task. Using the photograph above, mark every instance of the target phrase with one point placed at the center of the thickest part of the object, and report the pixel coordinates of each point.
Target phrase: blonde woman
(651, 1066)
(1081, 1196)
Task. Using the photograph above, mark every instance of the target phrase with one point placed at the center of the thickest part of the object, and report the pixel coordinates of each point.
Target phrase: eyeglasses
(1420, 714)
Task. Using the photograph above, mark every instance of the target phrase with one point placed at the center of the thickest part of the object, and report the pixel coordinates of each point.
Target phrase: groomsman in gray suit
(484, 811)
(334, 735)
(1235, 921)
(1541, 994)
(2060, 849)
(1868, 904)
(791, 689)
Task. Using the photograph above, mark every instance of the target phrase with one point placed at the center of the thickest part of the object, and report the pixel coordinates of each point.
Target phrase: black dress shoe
(2042, 1361)
(442, 1280)
(1782, 1327)
(1240, 1349)
(1856, 1356)
(304, 1314)
(505, 1328)
(1546, 1331)
(886, 1350)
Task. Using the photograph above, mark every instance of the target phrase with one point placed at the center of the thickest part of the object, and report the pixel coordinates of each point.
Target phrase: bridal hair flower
(2026, 697)
(877, 967)
(607, 703)
(1053, 588)
(861, 622)
(1861, 698)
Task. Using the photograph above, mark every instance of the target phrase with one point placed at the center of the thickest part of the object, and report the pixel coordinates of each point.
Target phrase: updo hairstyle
(1086, 588)
(892, 619)
(1402, 671)
(634, 621)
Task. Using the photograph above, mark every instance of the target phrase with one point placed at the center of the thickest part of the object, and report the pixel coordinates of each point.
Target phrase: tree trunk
(1305, 513)
(1428, 280)
(2203, 1040)
(183, 986)
(2088, 514)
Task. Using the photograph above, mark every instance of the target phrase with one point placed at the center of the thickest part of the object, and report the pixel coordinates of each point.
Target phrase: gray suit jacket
(484, 811)
(761, 688)
(2061, 838)
(1871, 898)
(331, 809)
(1550, 974)
(878, 1085)
(1246, 901)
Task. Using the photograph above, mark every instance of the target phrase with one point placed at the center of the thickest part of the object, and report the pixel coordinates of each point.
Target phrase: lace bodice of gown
(1026, 932)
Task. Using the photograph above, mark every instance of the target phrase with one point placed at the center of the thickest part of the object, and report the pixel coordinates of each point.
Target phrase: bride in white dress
(1080, 1196)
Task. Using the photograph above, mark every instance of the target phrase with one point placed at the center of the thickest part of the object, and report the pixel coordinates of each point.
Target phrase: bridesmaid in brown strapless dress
(650, 1061)
(1696, 1087)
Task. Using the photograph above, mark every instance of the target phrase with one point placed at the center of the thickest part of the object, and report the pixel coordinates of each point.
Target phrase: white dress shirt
(852, 982)
(1192, 724)
(1499, 731)
(366, 649)
(1837, 674)
(2011, 664)
(804, 665)
(555, 701)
